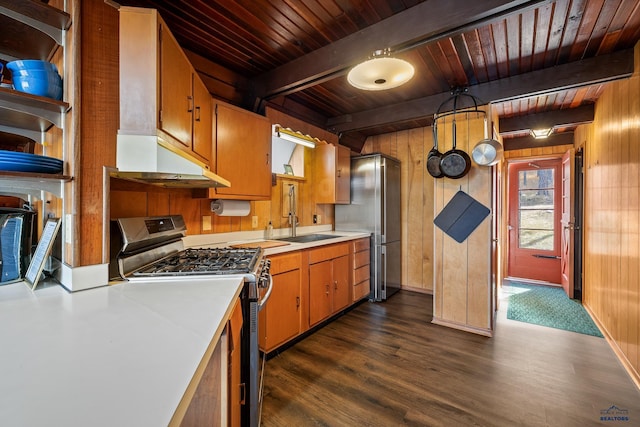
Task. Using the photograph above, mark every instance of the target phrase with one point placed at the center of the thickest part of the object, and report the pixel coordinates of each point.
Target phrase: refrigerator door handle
(383, 210)
(383, 273)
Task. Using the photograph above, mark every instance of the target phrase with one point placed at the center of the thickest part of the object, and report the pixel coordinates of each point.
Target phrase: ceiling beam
(525, 142)
(549, 119)
(585, 72)
(406, 30)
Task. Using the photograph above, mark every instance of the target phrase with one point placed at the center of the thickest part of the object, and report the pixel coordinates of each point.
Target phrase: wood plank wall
(612, 217)
(133, 199)
(459, 275)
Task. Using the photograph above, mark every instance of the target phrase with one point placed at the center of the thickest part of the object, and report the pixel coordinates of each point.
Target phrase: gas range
(149, 249)
(146, 248)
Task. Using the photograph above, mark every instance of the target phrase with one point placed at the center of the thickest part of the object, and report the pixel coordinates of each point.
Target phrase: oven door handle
(267, 294)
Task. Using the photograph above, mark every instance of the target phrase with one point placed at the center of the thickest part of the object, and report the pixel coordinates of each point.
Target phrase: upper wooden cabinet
(161, 93)
(242, 153)
(202, 121)
(332, 174)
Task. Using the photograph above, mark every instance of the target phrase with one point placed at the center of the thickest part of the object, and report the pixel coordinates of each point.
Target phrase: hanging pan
(434, 156)
(487, 152)
(455, 163)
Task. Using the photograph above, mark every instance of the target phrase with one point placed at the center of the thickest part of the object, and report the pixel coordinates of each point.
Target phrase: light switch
(254, 221)
(206, 222)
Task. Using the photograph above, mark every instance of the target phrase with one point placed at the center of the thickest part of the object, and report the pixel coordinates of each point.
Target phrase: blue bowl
(51, 76)
(31, 64)
(38, 86)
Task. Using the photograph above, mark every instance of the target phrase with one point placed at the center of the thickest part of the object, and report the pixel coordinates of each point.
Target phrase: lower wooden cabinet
(218, 399)
(235, 365)
(280, 319)
(329, 290)
(361, 271)
(309, 286)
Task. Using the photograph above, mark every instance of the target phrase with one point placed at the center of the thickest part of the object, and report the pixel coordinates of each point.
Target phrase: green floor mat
(548, 306)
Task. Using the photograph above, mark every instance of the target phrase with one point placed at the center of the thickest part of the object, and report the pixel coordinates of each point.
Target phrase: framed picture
(32, 276)
(288, 170)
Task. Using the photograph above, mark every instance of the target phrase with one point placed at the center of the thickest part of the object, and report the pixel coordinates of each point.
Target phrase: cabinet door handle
(339, 172)
(327, 289)
(335, 285)
(242, 393)
(297, 302)
(198, 113)
(267, 158)
(189, 104)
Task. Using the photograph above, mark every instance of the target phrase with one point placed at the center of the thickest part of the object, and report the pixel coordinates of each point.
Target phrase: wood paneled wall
(612, 217)
(417, 196)
(463, 296)
(459, 275)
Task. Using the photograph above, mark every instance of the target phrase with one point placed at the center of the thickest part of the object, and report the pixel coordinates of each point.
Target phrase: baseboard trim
(417, 290)
(635, 376)
(462, 327)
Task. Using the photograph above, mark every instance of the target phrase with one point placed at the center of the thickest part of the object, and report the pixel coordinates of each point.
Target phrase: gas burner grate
(201, 261)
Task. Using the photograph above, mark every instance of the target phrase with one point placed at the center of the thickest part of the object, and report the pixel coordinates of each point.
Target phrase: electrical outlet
(254, 221)
(319, 219)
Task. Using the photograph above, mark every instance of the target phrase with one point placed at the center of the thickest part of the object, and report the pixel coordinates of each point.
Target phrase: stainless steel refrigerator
(375, 208)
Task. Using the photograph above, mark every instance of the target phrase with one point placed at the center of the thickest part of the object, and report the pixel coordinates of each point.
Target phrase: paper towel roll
(231, 207)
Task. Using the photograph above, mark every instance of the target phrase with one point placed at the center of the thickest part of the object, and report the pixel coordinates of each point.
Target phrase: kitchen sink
(306, 238)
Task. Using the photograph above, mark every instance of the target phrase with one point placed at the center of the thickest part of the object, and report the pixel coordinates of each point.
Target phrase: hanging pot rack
(456, 95)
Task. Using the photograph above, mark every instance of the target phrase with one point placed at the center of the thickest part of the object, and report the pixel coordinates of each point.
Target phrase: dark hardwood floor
(385, 364)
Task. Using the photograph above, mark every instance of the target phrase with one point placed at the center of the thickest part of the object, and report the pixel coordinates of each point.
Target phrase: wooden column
(463, 289)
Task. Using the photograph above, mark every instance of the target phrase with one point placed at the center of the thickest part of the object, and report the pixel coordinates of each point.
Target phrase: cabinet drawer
(361, 245)
(285, 262)
(361, 290)
(361, 274)
(324, 253)
(361, 258)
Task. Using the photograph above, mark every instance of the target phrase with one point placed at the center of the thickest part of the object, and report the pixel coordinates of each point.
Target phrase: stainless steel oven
(151, 248)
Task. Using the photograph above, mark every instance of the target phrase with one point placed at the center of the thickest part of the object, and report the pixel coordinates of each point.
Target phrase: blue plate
(13, 166)
(28, 157)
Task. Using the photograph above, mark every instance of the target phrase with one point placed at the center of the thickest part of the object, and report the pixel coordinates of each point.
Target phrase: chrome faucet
(293, 217)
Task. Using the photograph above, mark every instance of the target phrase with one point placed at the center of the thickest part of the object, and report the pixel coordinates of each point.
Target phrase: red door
(567, 222)
(535, 190)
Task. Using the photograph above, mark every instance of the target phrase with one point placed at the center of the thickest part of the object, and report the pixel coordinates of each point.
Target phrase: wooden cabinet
(332, 174)
(235, 365)
(361, 269)
(161, 93)
(328, 281)
(217, 399)
(243, 153)
(279, 320)
(202, 121)
(310, 286)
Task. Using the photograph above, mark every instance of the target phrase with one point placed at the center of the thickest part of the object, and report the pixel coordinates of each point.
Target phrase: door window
(536, 209)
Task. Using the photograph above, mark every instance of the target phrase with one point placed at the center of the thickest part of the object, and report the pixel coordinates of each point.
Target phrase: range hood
(147, 159)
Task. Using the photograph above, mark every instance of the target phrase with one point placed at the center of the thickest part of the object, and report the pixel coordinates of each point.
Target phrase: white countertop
(120, 355)
(213, 240)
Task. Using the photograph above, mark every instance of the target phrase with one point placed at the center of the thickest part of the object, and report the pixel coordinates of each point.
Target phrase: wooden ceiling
(529, 58)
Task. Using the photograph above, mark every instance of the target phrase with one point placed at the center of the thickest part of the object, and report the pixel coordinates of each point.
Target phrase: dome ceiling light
(380, 72)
